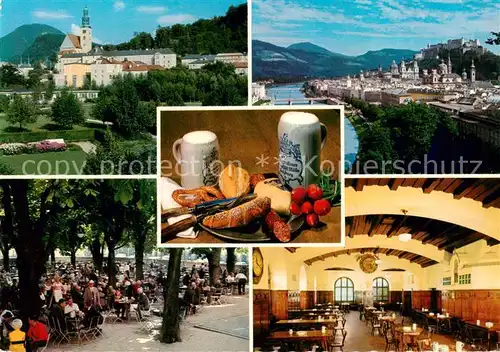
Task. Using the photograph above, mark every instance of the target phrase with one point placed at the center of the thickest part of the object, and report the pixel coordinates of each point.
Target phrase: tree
(170, 329)
(494, 40)
(67, 110)
(10, 77)
(4, 103)
(21, 111)
(49, 89)
(231, 259)
(30, 204)
(213, 258)
(141, 220)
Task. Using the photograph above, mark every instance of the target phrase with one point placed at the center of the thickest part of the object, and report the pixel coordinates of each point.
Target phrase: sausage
(240, 216)
(271, 219)
(282, 231)
(256, 178)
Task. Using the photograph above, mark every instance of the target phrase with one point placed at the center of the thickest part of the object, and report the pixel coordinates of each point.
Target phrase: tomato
(299, 194)
(295, 209)
(322, 207)
(312, 220)
(307, 208)
(314, 192)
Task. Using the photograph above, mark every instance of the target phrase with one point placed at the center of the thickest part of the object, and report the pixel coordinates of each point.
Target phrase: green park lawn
(62, 163)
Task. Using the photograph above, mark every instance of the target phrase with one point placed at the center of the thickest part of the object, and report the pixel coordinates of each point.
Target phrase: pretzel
(193, 197)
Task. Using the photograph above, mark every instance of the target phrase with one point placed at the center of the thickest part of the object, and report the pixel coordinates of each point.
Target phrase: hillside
(220, 34)
(18, 41)
(306, 59)
(312, 48)
(44, 47)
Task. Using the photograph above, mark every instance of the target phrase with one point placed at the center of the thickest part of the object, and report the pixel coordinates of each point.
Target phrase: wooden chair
(376, 325)
(424, 342)
(368, 316)
(338, 344)
(390, 340)
(474, 336)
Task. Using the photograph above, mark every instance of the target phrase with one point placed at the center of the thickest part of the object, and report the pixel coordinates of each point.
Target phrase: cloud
(119, 5)
(51, 15)
(363, 2)
(175, 19)
(150, 9)
(75, 29)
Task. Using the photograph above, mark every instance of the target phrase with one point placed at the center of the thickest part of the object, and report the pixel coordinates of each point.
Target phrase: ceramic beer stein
(301, 139)
(198, 155)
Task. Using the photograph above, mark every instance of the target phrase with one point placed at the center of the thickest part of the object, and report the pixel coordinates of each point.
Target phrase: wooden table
(306, 321)
(411, 335)
(244, 135)
(388, 319)
(491, 331)
(303, 335)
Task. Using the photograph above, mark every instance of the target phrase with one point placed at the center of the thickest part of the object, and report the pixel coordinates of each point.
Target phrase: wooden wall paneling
(261, 315)
(306, 299)
(395, 297)
(279, 304)
(472, 305)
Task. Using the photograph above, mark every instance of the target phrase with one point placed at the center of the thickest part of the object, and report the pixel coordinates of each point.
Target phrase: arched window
(380, 290)
(344, 290)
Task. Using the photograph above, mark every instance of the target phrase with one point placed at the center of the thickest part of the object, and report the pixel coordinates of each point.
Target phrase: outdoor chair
(42, 349)
(112, 317)
(63, 333)
(145, 324)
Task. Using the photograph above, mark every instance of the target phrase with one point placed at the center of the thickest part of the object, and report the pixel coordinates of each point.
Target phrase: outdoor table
(410, 334)
(301, 336)
(491, 331)
(126, 303)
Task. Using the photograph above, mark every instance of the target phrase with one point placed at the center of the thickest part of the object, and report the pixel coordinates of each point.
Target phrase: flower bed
(32, 148)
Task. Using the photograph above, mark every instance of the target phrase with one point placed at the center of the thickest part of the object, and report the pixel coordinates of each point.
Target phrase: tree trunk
(6, 260)
(97, 257)
(53, 256)
(73, 258)
(111, 263)
(139, 256)
(214, 265)
(231, 259)
(170, 329)
(31, 255)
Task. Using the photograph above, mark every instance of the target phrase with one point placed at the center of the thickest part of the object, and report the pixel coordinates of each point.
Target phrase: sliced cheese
(280, 198)
(234, 181)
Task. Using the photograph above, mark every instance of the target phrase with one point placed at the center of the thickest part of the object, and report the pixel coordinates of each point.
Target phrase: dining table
(490, 330)
(326, 321)
(408, 333)
(303, 336)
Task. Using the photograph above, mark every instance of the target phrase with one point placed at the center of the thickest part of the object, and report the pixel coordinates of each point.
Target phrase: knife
(214, 207)
(203, 207)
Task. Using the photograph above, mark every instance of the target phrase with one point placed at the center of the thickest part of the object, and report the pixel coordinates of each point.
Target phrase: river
(292, 91)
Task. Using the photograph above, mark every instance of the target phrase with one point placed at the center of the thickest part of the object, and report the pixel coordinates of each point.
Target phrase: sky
(353, 27)
(112, 21)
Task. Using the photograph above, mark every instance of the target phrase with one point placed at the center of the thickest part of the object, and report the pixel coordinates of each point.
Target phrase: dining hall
(418, 272)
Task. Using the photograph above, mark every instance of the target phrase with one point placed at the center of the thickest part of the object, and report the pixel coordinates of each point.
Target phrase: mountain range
(37, 41)
(307, 59)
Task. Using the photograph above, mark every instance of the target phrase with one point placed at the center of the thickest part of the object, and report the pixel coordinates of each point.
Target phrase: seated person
(57, 313)
(17, 337)
(72, 309)
(90, 313)
(37, 334)
(142, 300)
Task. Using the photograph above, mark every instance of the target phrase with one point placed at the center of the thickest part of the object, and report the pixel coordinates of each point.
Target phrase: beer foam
(199, 137)
(299, 118)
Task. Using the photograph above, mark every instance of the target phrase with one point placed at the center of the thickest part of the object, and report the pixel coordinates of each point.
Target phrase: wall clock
(367, 263)
(258, 265)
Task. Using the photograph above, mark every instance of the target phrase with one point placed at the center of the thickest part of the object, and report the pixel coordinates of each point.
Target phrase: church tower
(472, 72)
(464, 75)
(86, 32)
(449, 64)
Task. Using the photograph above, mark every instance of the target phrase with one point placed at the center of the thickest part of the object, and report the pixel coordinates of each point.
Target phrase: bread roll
(280, 198)
(234, 181)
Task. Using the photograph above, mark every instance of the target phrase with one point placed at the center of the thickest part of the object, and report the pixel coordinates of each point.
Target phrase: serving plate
(254, 232)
